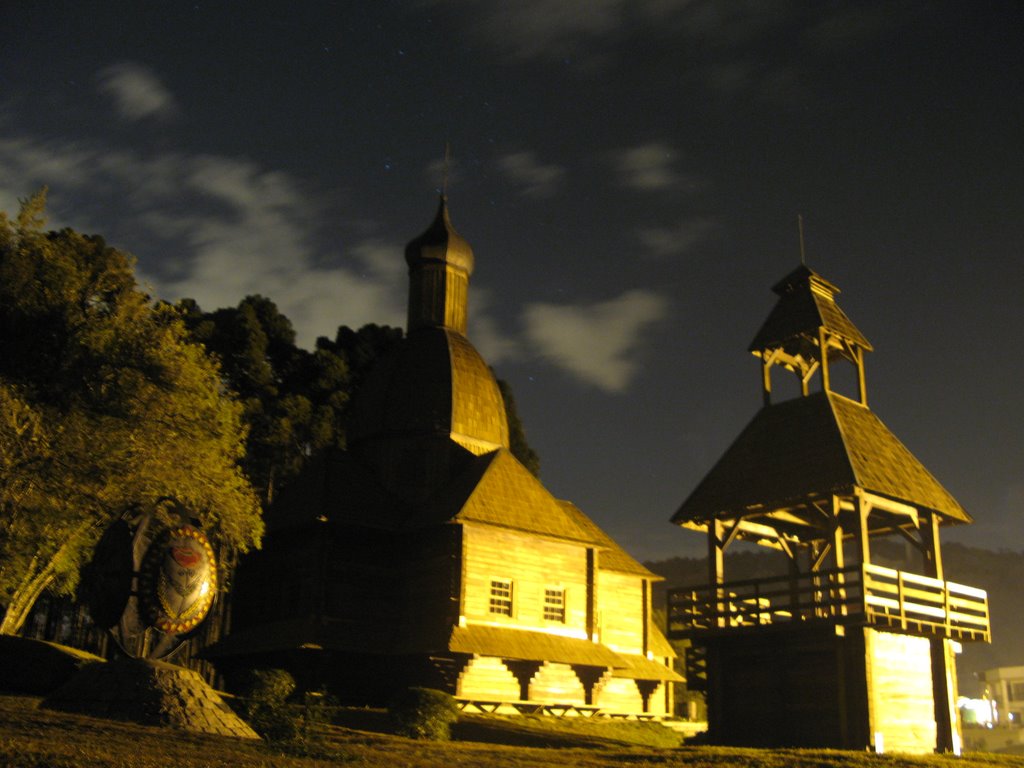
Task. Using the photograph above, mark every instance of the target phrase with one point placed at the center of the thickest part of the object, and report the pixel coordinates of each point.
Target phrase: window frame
(501, 599)
(554, 612)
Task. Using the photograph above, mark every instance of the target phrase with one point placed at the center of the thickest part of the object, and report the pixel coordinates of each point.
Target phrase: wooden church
(426, 554)
(836, 651)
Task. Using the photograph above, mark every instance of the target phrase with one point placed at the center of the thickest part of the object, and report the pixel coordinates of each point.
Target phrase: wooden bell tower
(837, 651)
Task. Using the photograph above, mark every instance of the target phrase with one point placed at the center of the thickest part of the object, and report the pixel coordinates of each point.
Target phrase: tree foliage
(105, 404)
(296, 401)
(518, 445)
(423, 713)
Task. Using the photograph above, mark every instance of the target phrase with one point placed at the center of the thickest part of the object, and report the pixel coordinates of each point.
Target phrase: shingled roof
(506, 494)
(641, 668)
(613, 557)
(806, 303)
(527, 645)
(807, 449)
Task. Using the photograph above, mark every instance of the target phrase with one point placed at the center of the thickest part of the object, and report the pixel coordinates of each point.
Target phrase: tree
(294, 400)
(517, 444)
(105, 405)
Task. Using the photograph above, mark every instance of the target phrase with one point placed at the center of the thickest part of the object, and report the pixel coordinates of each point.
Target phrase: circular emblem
(178, 580)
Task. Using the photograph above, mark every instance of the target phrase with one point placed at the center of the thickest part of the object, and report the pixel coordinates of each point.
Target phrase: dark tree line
(295, 401)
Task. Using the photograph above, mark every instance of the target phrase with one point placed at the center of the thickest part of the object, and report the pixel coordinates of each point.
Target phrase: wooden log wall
(900, 684)
(621, 607)
(532, 564)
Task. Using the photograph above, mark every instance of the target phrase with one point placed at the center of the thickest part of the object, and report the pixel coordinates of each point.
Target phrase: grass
(34, 738)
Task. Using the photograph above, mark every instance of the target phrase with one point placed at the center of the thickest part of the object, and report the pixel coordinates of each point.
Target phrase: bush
(424, 713)
(263, 704)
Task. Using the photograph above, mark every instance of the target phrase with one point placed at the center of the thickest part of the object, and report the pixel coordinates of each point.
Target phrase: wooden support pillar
(826, 383)
(839, 594)
(944, 683)
(589, 677)
(524, 672)
(948, 737)
(592, 629)
(932, 548)
(647, 689)
(766, 378)
(716, 567)
(863, 544)
(646, 597)
(794, 581)
(816, 553)
(862, 387)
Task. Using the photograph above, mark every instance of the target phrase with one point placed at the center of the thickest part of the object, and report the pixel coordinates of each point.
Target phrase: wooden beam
(817, 561)
(931, 548)
(767, 361)
(918, 545)
(837, 532)
(839, 597)
(863, 510)
(784, 546)
(591, 593)
(891, 505)
(734, 529)
(716, 566)
(826, 383)
(861, 377)
(944, 693)
(716, 561)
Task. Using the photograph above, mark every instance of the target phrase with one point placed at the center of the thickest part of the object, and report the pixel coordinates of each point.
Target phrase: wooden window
(1016, 691)
(501, 597)
(554, 604)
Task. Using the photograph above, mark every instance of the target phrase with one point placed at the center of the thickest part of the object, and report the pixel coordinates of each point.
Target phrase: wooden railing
(869, 594)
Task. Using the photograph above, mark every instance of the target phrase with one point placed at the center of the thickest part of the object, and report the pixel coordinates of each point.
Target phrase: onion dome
(434, 383)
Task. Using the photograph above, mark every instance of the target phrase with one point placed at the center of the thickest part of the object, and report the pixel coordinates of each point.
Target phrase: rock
(148, 693)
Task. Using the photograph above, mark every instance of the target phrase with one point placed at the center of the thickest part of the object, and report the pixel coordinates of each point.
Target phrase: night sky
(629, 174)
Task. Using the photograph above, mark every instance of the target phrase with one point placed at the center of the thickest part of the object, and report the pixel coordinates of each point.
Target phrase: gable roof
(613, 557)
(506, 494)
(807, 449)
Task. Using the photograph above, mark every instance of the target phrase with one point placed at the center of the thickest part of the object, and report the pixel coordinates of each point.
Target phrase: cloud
(212, 228)
(647, 166)
(495, 345)
(583, 30)
(531, 29)
(746, 49)
(596, 343)
(534, 178)
(136, 91)
(676, 240)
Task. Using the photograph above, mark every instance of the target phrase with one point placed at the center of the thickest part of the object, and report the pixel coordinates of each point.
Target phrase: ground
(33, 738)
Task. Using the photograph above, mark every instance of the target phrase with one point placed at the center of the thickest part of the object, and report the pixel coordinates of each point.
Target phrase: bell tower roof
(806, 332)
(806, 304)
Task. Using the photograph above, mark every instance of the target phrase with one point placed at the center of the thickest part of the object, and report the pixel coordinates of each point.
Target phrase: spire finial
(800, 227)
(447, 168)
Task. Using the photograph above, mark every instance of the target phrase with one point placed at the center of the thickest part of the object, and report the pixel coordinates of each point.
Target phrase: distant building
(836, 651)
(1004, 688)
(426, 554)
